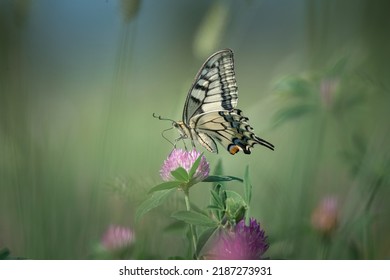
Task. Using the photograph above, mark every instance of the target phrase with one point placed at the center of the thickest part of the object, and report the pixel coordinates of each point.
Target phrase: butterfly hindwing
(214, 87)
(206, 141)
(230, 128)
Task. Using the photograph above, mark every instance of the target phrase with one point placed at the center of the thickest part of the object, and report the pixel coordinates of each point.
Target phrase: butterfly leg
(177, 140)
(185, 146)
(193, 143)
(174, 144)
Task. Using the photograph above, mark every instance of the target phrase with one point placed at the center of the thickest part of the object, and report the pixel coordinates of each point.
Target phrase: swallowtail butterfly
(210, 109)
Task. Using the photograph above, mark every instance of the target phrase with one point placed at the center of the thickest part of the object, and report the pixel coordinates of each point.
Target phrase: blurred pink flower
(324, 218)
(117, 237)
(180, 158)
(328, 88)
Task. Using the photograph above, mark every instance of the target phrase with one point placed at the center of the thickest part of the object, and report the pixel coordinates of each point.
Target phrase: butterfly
(210, 112)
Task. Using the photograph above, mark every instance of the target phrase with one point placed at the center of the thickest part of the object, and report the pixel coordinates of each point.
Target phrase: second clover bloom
(242, 243)
(185, 159)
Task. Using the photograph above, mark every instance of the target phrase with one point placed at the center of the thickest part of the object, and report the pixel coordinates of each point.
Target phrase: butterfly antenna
(161, 118)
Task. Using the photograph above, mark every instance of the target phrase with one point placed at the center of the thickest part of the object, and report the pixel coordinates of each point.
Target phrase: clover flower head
(117, 237)
(242, 243)
(180, 158)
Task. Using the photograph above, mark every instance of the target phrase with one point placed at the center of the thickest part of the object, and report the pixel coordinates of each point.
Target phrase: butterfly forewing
(214, 87)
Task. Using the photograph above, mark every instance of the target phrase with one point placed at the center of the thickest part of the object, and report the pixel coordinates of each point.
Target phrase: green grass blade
(194, 218)
(156, 199)
(165, 186)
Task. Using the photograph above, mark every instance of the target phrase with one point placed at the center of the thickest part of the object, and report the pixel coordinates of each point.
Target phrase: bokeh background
(79, 148)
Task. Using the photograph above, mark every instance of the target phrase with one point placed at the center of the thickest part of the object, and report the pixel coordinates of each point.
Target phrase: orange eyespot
(234, 149)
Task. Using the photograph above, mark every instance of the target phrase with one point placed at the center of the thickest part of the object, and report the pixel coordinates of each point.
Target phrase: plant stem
(188, 206)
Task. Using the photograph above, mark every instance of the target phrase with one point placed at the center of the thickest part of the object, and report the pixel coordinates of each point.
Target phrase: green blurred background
(79, 149)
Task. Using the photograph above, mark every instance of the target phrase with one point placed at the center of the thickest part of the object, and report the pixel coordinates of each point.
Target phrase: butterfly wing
(210, 109)
(230, 128)
(214, 87)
